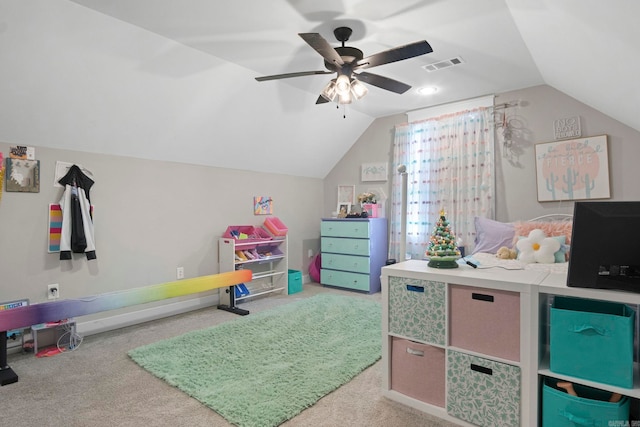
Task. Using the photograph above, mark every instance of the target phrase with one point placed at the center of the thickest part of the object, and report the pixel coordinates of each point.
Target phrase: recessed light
(427, 90)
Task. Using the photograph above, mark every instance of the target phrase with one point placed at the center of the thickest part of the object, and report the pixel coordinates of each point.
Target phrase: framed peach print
(575, 169)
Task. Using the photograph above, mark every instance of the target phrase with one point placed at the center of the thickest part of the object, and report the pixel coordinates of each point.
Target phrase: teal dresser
(354, 250)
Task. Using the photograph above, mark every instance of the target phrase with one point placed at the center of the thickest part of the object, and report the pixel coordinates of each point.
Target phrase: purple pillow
(492, 235)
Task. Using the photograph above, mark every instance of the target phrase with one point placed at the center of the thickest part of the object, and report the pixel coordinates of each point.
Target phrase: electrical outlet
(179, 273)
(53, 291)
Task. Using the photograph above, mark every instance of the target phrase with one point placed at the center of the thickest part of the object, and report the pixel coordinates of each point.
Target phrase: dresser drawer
(343, 279)
(486, 321)
(417, 309)
(345, 246)
(356, 264)
(345, 228)
(483, 392)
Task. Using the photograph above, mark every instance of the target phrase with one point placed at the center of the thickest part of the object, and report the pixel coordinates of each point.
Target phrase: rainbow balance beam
(22, 317)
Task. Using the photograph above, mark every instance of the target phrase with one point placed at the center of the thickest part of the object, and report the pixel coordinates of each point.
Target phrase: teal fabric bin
(295, 281)
(592, 340)
(590, 408)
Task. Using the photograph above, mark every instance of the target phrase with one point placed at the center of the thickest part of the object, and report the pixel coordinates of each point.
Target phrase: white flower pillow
(537, 247)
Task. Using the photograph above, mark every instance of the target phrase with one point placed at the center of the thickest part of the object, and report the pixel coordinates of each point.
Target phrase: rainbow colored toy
(34, 314)
(25, 316)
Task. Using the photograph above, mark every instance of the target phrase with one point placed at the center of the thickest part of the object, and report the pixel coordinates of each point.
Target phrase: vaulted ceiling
(175, 80)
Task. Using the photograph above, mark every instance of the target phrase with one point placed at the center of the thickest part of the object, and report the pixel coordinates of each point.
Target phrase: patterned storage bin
(417, 309)
(591, 407)
(483, 392)
(592, 340)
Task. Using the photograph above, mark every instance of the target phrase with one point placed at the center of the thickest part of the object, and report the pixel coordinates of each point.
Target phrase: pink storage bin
(275, 226)
(254, 234)
(418, 371)
(485, 320)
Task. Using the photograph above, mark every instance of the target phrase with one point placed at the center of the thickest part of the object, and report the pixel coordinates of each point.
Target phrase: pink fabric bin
(275, 226)
(418, 371)
(485, 320)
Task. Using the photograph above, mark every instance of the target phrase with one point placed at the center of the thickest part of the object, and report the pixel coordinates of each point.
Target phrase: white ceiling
(587, 49)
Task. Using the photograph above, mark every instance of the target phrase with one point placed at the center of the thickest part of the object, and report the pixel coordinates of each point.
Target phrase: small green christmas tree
(442, 250)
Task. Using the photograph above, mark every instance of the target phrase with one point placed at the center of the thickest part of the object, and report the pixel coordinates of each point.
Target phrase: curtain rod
(506, 105)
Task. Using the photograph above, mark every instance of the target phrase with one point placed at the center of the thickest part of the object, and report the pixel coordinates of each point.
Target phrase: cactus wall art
(576, 169)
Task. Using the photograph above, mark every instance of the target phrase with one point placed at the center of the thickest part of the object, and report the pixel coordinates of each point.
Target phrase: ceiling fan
(348, 62)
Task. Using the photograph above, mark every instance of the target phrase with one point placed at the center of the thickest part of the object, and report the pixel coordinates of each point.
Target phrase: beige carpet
(99, 385)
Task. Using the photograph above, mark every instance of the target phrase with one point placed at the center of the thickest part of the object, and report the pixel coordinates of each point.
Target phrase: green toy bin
(593, 340)
(591, 407)
(295, 281)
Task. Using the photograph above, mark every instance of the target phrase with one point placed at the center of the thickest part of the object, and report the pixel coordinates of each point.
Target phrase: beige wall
(150, 217)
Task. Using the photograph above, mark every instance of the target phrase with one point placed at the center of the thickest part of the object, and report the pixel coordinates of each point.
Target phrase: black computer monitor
(605, 246)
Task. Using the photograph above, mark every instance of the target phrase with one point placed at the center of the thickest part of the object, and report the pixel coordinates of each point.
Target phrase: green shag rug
(265, 368)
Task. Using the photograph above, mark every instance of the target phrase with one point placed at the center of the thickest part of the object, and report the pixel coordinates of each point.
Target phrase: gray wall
(516, 196)
(150, 217)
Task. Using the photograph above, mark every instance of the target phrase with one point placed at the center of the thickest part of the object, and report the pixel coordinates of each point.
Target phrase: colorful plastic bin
(295, 281)
(275, 226)
(592, 339)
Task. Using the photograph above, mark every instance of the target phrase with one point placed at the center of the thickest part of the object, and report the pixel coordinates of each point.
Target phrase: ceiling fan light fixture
(344, 98)
(358, 89)
(343, 85)
(329, 92)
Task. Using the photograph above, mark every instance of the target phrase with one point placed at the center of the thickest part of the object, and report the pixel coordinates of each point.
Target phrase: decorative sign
(573, 170)
(567, 128)
(22, 153)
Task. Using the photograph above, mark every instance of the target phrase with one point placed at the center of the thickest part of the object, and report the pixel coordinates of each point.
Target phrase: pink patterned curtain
(450, 166)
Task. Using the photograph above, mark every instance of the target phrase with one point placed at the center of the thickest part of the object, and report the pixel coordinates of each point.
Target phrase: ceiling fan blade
(383, 82)
(288, 75)
(396, 54)
(322, 46)
(321, 100)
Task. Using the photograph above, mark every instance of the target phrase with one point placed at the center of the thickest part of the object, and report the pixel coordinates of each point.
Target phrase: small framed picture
(343, 209)
(23, 175)
(346, 194)
(262, 205)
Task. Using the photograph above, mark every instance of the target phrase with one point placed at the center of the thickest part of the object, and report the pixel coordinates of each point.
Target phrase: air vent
(443, 64)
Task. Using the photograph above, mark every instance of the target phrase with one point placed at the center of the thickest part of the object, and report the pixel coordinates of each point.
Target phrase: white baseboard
(91, 327)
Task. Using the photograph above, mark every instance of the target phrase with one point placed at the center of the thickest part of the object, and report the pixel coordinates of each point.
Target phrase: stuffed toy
(537, 247)
(506, 253)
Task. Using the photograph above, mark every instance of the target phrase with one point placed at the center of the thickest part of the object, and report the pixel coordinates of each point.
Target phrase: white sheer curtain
(450, 166)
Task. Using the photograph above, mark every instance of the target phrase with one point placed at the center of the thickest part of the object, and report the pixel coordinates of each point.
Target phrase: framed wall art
(23, 175)
(346, 194)
(262, 205)
(575, 169)
(374, 172)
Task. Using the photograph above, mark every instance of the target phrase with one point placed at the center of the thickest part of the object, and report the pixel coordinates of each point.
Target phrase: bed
(491, 235)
